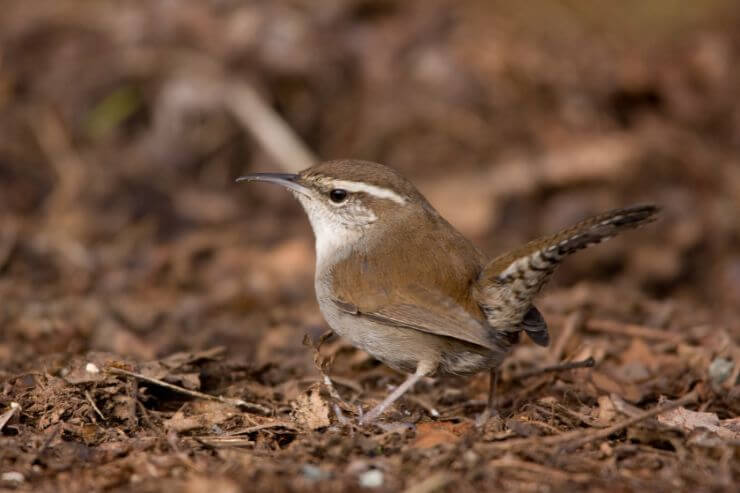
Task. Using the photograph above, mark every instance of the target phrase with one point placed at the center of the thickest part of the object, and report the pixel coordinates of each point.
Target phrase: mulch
(158, 326)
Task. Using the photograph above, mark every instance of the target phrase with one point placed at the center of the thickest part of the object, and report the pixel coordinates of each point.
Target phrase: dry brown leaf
(88, 369)
(607, 410)
(310, 410)
(687, 420)
(697, 357)
(639, 352)
(606, 383)
(433, 433)
(200, 414)
(623, 406)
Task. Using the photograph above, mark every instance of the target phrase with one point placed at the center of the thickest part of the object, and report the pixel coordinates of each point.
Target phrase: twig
(269, 128)
(632, 330)
(572, 323)
(224, 442)
(570, 365)
(323, 366)
(248, 406)
(8, 242)
(605, 432)
(263, 426)
(336, 397)
(330, 387)
(145, 414)
(72, 176)
(5, 417)
(578, 438)
(49, 438)
(423, 403)
(346, 382)
(540, 470)
(92, 403)
(573, 414)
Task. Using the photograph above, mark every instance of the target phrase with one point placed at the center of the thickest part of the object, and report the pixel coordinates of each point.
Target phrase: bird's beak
(288, 180)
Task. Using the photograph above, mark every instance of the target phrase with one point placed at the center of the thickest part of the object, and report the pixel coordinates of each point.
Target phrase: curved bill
(287, 180)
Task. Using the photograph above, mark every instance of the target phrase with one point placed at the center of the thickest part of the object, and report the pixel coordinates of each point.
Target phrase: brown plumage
(397, 280)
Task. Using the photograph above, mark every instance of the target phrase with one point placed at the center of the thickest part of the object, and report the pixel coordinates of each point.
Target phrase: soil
(158, 326)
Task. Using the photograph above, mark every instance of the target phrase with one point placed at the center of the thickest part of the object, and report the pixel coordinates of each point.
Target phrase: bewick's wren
(397, 280)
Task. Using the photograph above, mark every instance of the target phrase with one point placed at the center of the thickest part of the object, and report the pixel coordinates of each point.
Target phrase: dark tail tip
(629, 217)
(637, 214)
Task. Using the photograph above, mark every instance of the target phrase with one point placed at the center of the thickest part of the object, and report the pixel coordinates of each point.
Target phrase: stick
(633, 330)
(540, 470)
(193, 393)
(605, 432)
(572, 323)
(569, 365)
(5, 417)
(580, 437)
(224, 442)
(263, 426)
(92, 403)
(267, 127)
(8, 242)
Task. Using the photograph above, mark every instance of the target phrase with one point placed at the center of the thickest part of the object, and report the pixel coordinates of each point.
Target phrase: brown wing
(427, 312)
(418, 278)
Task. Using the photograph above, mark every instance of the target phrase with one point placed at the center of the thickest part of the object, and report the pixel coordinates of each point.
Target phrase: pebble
(314, 473)
(371, 479)
(720, 369)
(13, 477)
(92, 368)
(470, 457)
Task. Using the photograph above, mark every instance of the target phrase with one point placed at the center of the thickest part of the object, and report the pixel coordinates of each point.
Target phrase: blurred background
(123, 125)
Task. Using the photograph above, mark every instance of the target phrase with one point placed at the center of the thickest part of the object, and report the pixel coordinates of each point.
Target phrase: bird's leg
(491, 406)
(421, 371)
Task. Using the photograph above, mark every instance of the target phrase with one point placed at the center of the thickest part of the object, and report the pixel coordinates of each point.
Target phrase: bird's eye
(337, 195)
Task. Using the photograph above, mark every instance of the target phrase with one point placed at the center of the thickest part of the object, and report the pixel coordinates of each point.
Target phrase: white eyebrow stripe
(379, 192)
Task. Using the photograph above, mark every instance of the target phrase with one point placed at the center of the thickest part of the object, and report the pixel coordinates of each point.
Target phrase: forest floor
(158, 326)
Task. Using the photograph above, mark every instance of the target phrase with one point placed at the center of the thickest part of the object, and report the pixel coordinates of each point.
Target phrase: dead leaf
(87, 369)
(606, 383)
(198, 484)
(607, 410)
(639, 353)
(687, 420)
(310, 410)
(200, 414)
(433, 433)
(623, 406)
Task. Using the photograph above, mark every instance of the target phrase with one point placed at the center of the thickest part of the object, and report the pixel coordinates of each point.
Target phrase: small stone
(13, 477)
(313, 473)
(720, 369)
(606, 449)
(15, 405)
(371, 479)
(92, 368)
(470, 457)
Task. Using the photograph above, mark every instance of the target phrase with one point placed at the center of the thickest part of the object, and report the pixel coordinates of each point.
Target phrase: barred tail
(509, 283)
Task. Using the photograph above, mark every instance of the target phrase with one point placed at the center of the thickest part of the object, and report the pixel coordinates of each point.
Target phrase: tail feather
(534, 325)
(509, 282)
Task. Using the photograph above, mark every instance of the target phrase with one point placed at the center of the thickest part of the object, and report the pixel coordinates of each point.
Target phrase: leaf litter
(152, 313)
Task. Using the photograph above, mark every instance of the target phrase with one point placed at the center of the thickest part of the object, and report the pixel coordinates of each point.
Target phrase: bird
(397, 280)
